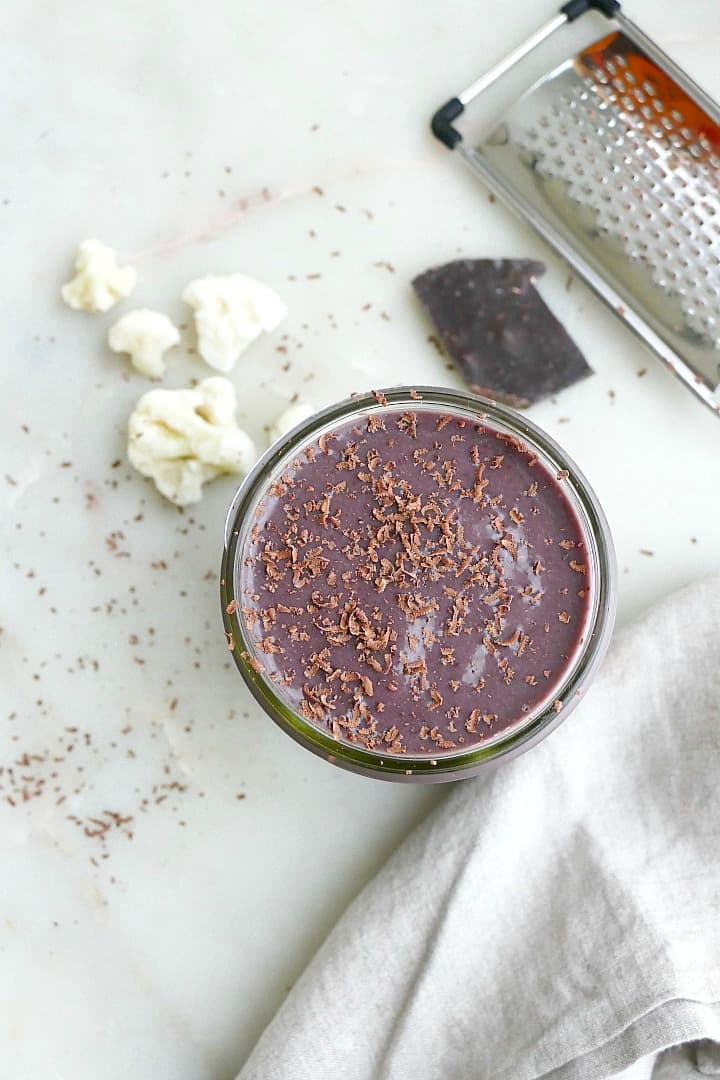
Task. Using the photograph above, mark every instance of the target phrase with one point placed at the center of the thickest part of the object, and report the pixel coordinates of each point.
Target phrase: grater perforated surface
(638, 160)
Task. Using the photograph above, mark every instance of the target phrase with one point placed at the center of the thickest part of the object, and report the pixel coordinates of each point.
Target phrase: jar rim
(517, 737)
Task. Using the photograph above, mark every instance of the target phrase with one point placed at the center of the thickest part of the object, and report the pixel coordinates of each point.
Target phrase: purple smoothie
(415, 583)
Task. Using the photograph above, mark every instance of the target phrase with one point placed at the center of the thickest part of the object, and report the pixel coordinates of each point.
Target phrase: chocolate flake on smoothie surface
(496, 326)
(411, 591)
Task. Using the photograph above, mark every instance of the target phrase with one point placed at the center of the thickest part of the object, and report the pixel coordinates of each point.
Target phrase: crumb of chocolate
(324, 440)
(408, 424)
(253, 662)
(473, 720)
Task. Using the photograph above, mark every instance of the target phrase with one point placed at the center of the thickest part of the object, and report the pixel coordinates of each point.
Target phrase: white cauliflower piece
(294, 414)
(99, 282)
(231, 311)
(145, 335)
(183, 438)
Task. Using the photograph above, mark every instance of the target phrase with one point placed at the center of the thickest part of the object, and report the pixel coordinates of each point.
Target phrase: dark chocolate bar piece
(495, 325)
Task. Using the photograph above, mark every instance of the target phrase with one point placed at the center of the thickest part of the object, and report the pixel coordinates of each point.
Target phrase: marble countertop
(170, 860)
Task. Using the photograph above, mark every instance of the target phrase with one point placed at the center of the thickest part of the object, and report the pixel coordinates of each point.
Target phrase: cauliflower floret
(231, 310)
(182, 438)
(145, 335)
(294, 414)
(99, 282)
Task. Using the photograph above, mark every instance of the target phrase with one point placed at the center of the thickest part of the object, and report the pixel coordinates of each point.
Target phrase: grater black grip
(441, 123)
(575, 8)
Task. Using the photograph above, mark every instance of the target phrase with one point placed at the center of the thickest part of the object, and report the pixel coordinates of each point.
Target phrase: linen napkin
(557, 918)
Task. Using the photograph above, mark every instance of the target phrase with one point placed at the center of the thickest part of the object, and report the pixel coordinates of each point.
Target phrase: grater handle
(442, 121)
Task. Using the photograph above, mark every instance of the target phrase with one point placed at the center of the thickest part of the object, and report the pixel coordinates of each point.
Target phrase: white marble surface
(194, 139)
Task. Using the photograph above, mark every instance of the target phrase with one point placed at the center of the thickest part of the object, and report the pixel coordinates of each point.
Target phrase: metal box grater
(613, 156)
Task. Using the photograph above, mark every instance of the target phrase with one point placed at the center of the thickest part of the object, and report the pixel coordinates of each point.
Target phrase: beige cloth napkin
(557, 918)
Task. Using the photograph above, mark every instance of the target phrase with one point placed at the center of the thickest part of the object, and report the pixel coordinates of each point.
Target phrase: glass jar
(459, 762)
